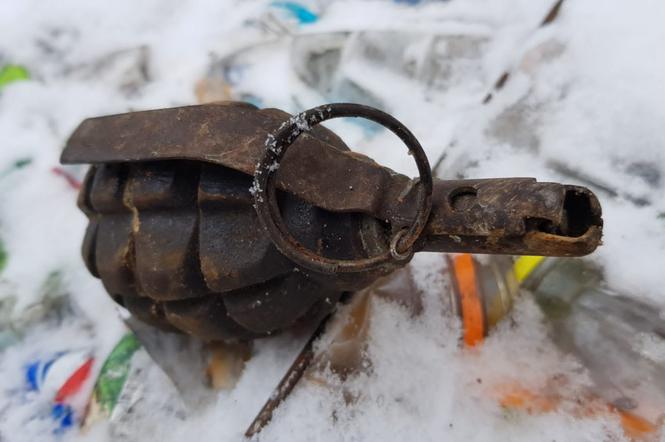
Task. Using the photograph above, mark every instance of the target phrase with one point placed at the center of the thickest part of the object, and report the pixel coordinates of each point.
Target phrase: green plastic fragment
(114, 373)
(3, 256)
(11, 73)
(18, 164)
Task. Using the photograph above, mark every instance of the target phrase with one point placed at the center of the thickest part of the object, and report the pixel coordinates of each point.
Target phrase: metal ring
(394, 244)
(265, 201)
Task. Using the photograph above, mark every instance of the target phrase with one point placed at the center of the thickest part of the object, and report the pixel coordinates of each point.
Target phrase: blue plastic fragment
(32, 375)
(64, 415)
(298, 11)
(36, 372)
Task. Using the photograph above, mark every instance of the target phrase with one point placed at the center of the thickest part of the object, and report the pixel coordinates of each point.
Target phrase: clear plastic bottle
(618, 338)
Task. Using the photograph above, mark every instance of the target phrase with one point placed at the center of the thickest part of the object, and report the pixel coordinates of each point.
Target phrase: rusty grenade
(229, 222)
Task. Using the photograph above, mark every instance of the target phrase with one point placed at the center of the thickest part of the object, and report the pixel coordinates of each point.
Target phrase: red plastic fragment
(73, 182)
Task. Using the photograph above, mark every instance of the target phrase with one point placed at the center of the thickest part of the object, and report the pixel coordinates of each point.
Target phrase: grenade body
(178, 244)
(175, 235)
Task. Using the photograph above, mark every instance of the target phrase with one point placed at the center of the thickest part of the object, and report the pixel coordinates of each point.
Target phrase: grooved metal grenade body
(177, 235)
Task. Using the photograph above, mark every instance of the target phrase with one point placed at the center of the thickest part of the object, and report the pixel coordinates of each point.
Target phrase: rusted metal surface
(516, 216)
(233, 135)
(177, 237)
(265, 201)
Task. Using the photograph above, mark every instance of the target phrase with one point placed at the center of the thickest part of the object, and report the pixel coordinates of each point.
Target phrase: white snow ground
(586, 92)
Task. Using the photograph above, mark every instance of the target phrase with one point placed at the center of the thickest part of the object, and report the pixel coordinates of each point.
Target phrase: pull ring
(265, 201)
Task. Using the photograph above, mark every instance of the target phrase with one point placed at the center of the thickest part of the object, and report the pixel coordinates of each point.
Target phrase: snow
(585, 92)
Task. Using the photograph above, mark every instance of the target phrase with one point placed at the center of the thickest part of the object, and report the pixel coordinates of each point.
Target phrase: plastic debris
(130, 386)
(111, 379)
(298, 11)
(612, 334)
(17, 165)
(484, 293)
(60, 379)
(73, 182)
(52, 303)
(336, 64)
(12, 73)
(3, 256)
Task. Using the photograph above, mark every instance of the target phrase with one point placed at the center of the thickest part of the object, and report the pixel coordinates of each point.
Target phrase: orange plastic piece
(473, 315)
(636, 427)
(513, 396)
(520, 398)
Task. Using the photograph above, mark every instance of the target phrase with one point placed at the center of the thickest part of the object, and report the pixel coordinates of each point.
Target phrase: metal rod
(288, 382)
